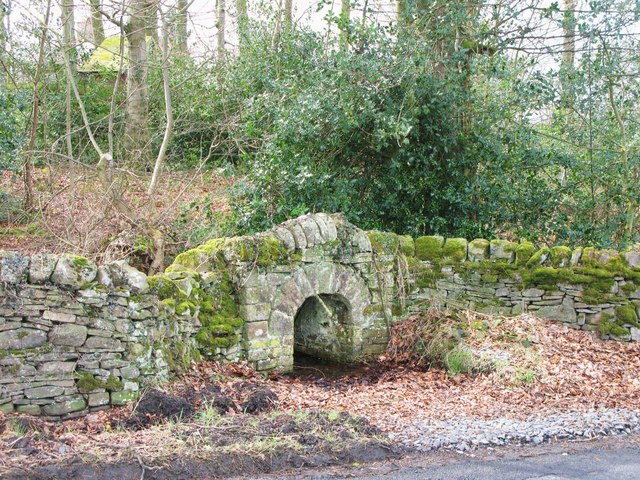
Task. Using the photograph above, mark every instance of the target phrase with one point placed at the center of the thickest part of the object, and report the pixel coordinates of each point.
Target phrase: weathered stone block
(478, 250)
(49, 391)
(255, 313)
(73, 404)
(257, 330)
(68, 335)
(123, 274)
(502, 251)
(13, 267)
(59, 316)
(73, 271)
(41, 267)
(30, 409)
(56, 367)
(123, 397)
(103, 343)
(98, 399)
(22, 338)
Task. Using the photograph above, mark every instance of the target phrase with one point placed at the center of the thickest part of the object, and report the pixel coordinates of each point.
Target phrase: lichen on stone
(384, 242)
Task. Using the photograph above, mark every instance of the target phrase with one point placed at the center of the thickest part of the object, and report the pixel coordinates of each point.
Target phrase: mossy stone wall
(76, 337)
(586, 288)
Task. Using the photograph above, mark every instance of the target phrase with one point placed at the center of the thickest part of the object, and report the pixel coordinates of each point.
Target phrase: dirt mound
(156, 406)
(260, 400)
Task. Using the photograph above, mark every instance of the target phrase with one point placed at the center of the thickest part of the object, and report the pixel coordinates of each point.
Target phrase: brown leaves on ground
(550, 369)
(559, 369)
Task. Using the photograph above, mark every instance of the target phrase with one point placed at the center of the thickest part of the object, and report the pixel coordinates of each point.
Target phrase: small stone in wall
(73, 271)
(68, 335)
(41, 267)
(13, 267)
(123, 274)
(22, 338)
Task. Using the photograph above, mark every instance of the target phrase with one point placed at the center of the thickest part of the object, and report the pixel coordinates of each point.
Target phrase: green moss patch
(607, 326)
(626, 314)
(407, 245)
(560, 256)
(88, 383)
(524, 251)
(455, 250)
(539, 257)
(429, 248)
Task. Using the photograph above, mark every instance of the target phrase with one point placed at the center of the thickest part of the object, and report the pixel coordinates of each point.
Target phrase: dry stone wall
(75, 337)
(587, 289)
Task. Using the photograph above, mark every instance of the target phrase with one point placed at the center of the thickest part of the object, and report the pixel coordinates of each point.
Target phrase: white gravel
(467, 434)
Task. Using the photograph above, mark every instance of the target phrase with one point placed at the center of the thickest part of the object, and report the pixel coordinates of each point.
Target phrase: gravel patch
(468, 434)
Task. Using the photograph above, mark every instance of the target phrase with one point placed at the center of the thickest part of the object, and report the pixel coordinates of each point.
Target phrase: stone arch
(315, 280)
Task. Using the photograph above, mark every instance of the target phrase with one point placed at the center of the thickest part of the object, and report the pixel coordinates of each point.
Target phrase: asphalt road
(595, 464)
(612, 459)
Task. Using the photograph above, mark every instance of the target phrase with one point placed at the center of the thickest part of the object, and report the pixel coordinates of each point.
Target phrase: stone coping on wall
(584, 287)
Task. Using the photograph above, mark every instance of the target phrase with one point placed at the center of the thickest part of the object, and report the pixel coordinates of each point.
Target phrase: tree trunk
(28, 168)
(243, 23)
(288, 13)
(2, 41)
(68, 46)
(168, 132)
(137, 126)
(220, 25)
(568, 54)
(182, 32)
(151, 19)
(97, 28)
(345, 14)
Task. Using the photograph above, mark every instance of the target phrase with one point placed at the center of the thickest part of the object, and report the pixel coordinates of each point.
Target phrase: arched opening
(323, 328)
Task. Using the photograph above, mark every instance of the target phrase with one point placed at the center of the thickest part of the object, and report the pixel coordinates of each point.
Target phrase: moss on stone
(88, 383)
(629, 288)
(373, 308)
(524, 251)
(186, 307)
(560, 256)
(455, 249)
(219, 318)
(407, 245)
(607, 326)
(164, 287)
(263, 251)
(428, 277)
(79, 262)
(490, 271)
(480, 247)
(384, 242)
(429, 248)
(626, 314)
(539, 257)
